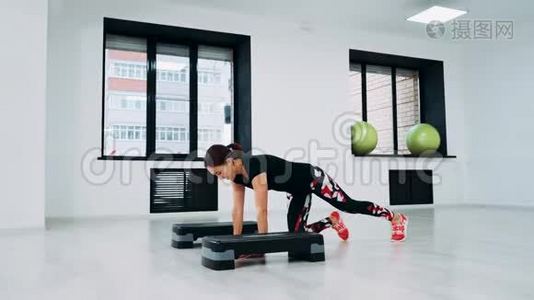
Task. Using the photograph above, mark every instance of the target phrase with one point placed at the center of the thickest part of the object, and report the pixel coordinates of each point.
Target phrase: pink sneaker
(399, 230)
(340, 227)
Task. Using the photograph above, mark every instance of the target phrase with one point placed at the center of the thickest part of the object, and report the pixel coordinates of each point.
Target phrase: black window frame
(431, 91)
(155, 33)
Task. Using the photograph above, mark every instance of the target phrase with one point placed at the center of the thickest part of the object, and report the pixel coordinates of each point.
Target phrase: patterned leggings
(328, 190)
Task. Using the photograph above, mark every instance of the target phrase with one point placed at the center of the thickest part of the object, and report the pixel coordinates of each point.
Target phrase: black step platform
(219, 252)
(183, 235)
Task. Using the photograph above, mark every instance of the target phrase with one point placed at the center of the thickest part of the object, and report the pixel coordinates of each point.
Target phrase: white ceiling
(377, 15)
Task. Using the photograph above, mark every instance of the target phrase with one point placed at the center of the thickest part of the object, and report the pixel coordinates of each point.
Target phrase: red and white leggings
(328, 190)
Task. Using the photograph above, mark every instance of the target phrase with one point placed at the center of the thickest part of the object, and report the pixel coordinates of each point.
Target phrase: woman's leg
(297, 215)
(327, 189)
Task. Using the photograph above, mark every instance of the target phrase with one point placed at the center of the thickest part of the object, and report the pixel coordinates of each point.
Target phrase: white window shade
(215, 53)
(174, 50)
(119, 42)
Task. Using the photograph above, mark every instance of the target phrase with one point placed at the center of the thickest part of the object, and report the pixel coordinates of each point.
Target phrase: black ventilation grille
(410, 187)
(181, 190)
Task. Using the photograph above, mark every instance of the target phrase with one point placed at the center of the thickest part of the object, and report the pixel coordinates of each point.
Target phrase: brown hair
(217, 154)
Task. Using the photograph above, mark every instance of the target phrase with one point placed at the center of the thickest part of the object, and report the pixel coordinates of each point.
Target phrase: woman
(299, 180)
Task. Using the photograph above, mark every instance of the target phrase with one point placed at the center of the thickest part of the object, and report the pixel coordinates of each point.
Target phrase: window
(380, 101)
(209, 77)
(407, 104)
(173, 75)
(213, 95)
(171, 59)
(164, 134)
(171, 134)
(126, 101)
(380, 91)
(208, 135)
(127, 132)
(169, 104)
(380, 106)
(125, 95)
(393, 93)
(172, 92)
(355, 94)
(127, 69)
(138, 133)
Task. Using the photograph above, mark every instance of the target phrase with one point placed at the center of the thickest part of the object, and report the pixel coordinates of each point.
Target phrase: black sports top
(282, 175)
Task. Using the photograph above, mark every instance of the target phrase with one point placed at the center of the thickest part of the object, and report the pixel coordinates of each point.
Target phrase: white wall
(22, 112)
(499, 111)
(303, 70)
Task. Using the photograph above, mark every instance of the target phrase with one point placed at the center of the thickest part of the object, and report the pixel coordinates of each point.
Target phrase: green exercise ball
(422, 138)
(364, 138)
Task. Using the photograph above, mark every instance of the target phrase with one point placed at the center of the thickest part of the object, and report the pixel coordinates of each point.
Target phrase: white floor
(451, 253)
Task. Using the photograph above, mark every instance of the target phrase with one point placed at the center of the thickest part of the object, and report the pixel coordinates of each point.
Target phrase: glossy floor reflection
(451, 253)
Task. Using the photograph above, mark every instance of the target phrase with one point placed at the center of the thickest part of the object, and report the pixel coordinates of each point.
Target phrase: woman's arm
(237, 210)
(259, 184)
